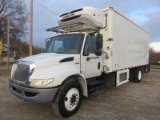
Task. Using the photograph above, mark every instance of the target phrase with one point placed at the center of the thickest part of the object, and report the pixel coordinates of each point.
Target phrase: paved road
(131, 101)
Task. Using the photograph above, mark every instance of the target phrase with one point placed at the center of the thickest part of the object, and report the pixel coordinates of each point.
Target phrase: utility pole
(31, 26)
(8, 41)
(1, 44)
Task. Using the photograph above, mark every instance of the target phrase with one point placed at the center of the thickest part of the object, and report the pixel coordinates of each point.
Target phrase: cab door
(90, 63)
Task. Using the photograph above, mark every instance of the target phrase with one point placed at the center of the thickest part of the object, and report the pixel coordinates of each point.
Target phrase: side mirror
(98, 52)
(99, 41)
(47, 41)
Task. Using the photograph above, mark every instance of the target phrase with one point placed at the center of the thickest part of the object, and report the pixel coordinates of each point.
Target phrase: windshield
(68, 44)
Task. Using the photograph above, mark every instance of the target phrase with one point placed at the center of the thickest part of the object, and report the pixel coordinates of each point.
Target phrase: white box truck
(92, 48)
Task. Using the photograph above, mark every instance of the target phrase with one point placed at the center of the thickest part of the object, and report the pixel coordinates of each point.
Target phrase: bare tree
(154, 57)
(18, 18)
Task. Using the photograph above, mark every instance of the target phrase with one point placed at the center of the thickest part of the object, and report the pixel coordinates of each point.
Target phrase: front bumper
(38, 95)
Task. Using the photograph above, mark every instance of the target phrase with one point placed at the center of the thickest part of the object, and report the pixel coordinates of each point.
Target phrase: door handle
(88, 58)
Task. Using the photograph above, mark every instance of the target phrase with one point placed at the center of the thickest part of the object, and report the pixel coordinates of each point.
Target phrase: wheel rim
(71, 99)
(139, 75)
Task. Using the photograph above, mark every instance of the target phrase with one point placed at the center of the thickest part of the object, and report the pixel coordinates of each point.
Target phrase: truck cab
(69, 58)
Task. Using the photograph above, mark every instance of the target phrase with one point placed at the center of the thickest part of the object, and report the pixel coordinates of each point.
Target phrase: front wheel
(69, 99)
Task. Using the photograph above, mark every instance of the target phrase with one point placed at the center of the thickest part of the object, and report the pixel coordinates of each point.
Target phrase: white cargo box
(87, 15)
(126, 44)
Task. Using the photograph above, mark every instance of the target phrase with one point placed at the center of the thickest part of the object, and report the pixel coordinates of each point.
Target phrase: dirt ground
(131, 101)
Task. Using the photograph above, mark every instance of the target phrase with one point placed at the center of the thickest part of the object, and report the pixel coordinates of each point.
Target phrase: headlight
(41, 83)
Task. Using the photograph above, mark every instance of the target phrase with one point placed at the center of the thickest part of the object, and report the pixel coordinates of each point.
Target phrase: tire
(138, 73)
(147, 69)
(68, 99)
(131, 74)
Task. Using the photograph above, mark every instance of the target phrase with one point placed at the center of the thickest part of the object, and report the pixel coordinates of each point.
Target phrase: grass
(5, 72)
(4, 59)
(155, 66)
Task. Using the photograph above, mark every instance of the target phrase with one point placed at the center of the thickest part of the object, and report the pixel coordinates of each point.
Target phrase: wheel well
(80, 80)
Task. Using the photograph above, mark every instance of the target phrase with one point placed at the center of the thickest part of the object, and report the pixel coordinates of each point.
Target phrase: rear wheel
(137, 77)
(68, 100)
(147, 69)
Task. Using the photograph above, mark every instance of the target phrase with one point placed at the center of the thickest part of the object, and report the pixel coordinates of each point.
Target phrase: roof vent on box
(87, 15)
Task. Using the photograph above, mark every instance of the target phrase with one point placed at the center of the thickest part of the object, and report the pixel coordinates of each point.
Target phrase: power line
(46, 2)
(47, 8)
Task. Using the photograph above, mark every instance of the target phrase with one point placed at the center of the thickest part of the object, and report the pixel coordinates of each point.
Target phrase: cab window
(90, 45)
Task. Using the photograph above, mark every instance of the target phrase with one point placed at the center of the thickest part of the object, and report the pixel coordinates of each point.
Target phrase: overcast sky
(145, 13)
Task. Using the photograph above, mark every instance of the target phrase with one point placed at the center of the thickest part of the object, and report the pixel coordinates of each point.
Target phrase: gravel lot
(131, 101)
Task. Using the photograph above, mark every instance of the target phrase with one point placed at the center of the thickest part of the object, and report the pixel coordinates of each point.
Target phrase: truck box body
(126, 43)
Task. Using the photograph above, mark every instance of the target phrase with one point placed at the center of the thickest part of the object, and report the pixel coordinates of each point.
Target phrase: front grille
(21, 73)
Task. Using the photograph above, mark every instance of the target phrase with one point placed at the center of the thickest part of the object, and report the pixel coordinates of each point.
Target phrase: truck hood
(48, 59)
